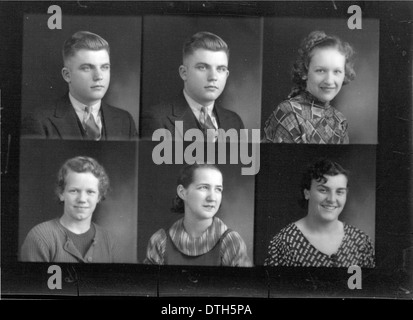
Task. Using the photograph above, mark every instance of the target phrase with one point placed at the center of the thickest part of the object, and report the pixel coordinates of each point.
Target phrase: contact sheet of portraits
(208, 149)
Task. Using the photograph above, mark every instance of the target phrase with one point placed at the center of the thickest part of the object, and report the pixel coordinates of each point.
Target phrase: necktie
(206, 123)
(92, 129)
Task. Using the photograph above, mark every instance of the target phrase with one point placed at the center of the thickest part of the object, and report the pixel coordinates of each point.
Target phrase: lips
(211, 87)
(209, 207)
(98, 87)
(327, 207)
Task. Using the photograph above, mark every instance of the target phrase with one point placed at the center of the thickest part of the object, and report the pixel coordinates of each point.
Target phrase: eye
(341, 192)
(201, 67)
(72, 191)
(85, 68)
(219, 190)
(322, 190)
(91, 192)
(320, 70)
(106, 67)
(338, 71)
(222, 69)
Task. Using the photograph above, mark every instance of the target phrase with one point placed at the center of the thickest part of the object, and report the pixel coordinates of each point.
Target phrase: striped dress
(233, 251)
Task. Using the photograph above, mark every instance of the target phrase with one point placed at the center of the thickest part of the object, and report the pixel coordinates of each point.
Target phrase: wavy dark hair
(315, 40)
(83, 164)
(186, 177)
(316, 171)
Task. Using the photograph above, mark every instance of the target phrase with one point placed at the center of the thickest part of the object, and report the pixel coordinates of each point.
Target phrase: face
(326, 73)
(80, 196)
(326, 200)
(202, 198)
(88, 75)
(205, 74)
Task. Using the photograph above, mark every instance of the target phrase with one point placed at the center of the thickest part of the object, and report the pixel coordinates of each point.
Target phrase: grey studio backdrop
(42, 59)
(278, 188)
(163, 39)
(157, 189)
(358, 100)
(39, 165)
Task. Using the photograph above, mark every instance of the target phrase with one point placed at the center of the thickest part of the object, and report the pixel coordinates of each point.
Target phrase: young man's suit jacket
(164, 116)
(60, 121)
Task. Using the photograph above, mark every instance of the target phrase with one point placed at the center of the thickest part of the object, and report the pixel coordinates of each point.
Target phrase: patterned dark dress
(305, 119)
(290, 248)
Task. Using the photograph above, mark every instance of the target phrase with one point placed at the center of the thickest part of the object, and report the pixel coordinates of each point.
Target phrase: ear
(61, 198)
(180, 191)
(183, 72)
(304, 77)
(66, 74)
(306, 194)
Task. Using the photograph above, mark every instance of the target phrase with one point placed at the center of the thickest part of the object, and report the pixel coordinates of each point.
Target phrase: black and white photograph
(126, 173)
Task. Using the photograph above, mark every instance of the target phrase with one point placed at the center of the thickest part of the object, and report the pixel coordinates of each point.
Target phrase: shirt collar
(196, 246)
(314, 101)
(196, 107)
(80, 107)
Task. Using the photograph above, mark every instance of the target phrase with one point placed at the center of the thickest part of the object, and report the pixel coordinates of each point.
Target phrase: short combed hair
(83, 40)
(317, 171)
(204, 40)
(82, 165)
(316, 40)
(186, 177)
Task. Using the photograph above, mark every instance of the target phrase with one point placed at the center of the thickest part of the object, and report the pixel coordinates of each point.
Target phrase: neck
(77, 227)
(195, 227)
(317, 226)
(86, 103)
(202, 103)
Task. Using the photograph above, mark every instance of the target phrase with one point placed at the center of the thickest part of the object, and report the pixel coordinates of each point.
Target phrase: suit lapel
(182, 112)
(111, 120)
(65, 120)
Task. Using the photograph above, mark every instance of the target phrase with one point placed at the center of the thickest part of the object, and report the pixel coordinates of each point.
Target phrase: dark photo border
(392, 277)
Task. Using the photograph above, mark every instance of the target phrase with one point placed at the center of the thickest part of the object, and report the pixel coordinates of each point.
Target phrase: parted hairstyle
(82, 165)
(83, 40)
(317, 40)
(186, 177)
(316, 171)
(204, 40)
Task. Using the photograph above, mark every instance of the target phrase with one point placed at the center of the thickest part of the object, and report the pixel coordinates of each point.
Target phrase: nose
(82, 196)
(212, 75)
(331, 197)
(329, 78)
(212, 195)
(98, 75)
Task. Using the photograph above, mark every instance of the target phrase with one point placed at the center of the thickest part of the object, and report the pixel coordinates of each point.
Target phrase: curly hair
(81, 165)
(315, 40)
(186, 177)
(317, 171)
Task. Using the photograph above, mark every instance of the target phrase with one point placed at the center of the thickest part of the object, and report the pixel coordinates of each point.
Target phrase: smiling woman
(199, 238)
(323, 66)
(320, 239)
(82, 184)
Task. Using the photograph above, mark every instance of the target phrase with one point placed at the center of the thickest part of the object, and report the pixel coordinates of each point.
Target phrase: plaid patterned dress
(290, 248)
(304, 119)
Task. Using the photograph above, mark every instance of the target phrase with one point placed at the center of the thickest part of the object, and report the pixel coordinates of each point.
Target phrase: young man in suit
(81, 114)
(204, 72)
